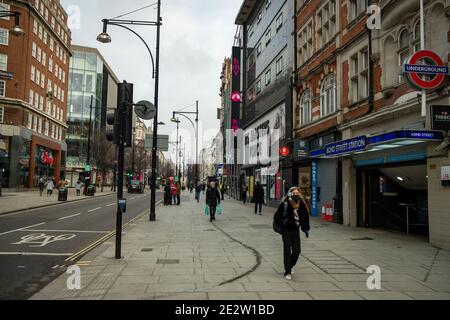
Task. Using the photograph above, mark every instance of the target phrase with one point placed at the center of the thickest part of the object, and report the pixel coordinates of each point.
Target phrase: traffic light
(125, 101)
(112, 118)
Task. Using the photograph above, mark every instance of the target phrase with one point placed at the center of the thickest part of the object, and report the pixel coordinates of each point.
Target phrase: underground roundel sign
(425, 70)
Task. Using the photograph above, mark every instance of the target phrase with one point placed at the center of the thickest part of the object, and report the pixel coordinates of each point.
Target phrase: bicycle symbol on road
(39, 240)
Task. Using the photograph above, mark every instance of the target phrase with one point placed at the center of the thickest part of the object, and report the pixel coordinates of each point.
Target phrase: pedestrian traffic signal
(125, 100)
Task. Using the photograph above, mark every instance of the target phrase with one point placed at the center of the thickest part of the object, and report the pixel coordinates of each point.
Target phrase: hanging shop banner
(300, 148)
(440, 118)
(314, 189)
(235, 96)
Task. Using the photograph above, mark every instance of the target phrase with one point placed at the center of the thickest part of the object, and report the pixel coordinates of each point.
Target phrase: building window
(44, 58)
(64, 76)
(268, 77)
(33, 50)
(259, 17)
(46, 128)
(40, 31)
(279, 66)
(42, 80)
(46, 14)
(259, 49)
(30, 121)
(279, 21)
(268, 36)
(403, 46)
(38, 77)
(258, 86)
(3, 62)
(45, 37)
(416, 43)
(356, 7)
(33, 72)
(326, 23)
(30, 99)
(53, 22)
(328, 95)
(2, 114)
(305, 108)
(2, 88)
(52, 43)
(4, 36)
(39, 54)
(34, 123)
(305, 43)
(359, 81)
(50, 64)
(4, 7)
(36, 100)
(39, 128)
(35, 27)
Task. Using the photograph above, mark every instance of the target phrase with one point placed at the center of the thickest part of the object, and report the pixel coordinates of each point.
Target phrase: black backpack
(276, 227)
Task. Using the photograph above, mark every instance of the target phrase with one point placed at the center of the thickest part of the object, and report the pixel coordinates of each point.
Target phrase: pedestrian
(212, 200)
(167, 195)
(78, 187)
(292, 214)
(173, 191)
(198, 191)
(41, 186)
(222, 189)
(203, 187)
(258, 197)
(50, 186)
(178, 186)
(244, 193)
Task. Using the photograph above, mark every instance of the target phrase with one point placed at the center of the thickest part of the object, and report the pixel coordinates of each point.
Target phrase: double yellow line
(75, 256)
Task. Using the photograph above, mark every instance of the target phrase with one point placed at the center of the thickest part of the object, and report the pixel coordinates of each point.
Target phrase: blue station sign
(346, 146)
(425, 69)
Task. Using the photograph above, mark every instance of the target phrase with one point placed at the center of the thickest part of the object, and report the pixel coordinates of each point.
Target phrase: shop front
(45, 161)
(390, 178)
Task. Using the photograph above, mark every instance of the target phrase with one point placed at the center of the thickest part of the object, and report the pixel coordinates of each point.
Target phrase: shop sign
(300, 148)
(445, 175)
(346, 146)
(440, 118)
(314, 189)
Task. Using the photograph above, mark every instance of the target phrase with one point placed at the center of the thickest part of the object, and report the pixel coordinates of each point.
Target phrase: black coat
(212, 197)
(258, 194)
(290, 222)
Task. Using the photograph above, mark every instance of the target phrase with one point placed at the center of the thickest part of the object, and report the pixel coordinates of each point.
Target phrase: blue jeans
(197, 196)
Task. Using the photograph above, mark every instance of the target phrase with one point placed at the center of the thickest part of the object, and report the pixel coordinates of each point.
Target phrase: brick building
(33, 92)
(349, 91)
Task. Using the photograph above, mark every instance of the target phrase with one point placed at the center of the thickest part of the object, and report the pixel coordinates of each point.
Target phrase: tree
(103, 154)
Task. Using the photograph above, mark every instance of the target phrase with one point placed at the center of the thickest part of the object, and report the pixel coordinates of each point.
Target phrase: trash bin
(90, 190)
(62, 194)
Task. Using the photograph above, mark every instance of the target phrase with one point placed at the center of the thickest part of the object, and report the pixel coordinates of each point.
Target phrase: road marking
(74, 215)
(34, 254)
(74, 231)
(111, 204)
(94, 209)
(20, 229)
(21, 267)
(39, 240)
(133, 198)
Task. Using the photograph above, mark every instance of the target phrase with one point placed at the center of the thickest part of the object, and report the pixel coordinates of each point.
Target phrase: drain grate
(363, 238)
(260, 226)
(167, 261)
(146, 249)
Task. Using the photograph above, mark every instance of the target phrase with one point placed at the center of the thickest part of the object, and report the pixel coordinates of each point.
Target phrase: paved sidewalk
(17, 201)
(184, 256)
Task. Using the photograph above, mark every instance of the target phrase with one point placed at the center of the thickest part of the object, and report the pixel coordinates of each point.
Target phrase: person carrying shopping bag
(291, 215)
(212, 200)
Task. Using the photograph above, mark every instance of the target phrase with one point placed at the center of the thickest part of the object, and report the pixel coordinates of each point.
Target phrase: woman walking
(212, 200)
(292, 214)
(258, 197)
(167, 195)
(78, 187)
(41, 186)
(50, 186)
(198, 191)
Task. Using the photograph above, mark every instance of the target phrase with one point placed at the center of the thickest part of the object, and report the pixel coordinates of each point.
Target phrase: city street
(183, 256)
(35, 243)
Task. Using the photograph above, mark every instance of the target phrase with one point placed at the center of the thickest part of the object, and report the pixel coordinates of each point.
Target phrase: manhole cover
(146, 249)
(261, 226)
(167, 261)
(363, 238)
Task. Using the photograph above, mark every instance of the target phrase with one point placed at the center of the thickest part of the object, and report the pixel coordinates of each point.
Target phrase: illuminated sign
(236, 96)
(425, 62)
(440, 118)
(346, 146)
(284, 151)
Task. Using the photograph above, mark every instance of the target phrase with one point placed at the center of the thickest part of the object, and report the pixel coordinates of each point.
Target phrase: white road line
(111, 204)
(74, 215)
(34, 254)
(94, 209)
(20, 229)
(75, 231)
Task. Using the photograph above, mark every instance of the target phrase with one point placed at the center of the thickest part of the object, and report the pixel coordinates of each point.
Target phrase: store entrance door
(394, 198)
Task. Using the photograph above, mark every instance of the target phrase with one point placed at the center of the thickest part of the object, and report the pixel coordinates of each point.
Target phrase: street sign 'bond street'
(346, 146)
(425, 62)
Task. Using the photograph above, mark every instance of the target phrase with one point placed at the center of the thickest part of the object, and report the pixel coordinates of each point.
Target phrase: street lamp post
(196, 132)
(16, 30)
(104, 37)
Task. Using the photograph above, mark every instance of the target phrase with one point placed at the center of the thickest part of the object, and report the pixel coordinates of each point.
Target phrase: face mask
(296, 197)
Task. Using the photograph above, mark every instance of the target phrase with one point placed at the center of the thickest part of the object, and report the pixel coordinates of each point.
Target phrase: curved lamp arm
(186, 118)
(145, 43)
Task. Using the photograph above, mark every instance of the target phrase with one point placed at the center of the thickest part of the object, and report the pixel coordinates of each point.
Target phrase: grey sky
(196, 35)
